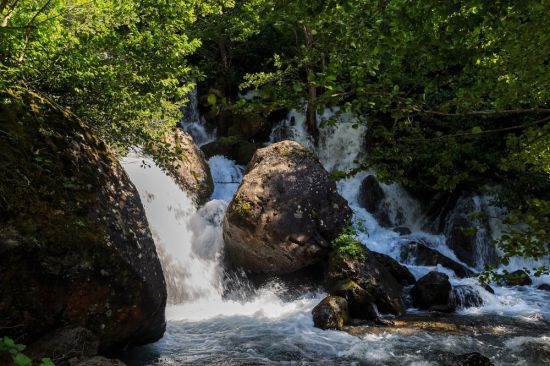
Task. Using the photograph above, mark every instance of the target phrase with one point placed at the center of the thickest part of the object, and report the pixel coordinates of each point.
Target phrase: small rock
(431, 290)
(401, 273)
(544, 287)
(331, 313)
(464, 296)
(420, 254)
(473, 359)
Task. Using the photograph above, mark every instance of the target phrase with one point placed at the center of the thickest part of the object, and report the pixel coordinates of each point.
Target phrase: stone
(431, 290)
(371, 198)
(402, 230)
(189, 168)
(331, 313)
(233, 147)
(473, 359)
(469, 237)
(544, 287)
(65, 344)
(75, 241)
(285, 213)
(399, 272)
(420, 254)
(464, 296)
(371, 275)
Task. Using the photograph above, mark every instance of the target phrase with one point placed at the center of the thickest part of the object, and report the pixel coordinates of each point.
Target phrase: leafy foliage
(15, 350)
(347, 247)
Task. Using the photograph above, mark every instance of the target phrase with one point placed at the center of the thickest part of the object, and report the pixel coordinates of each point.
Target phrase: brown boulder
(372, 276)
(285, 212)
(331, 313)
(186, 164)
(75, 242)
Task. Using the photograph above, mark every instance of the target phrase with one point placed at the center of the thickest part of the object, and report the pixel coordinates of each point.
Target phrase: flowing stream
(214, 317)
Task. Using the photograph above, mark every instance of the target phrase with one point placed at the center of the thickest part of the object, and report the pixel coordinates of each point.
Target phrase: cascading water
(193, 124)
(206, 326)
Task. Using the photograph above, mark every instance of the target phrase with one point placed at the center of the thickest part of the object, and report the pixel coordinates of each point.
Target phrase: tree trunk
(311, 112)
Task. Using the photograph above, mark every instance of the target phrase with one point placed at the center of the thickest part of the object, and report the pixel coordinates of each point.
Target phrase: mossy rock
(233, 147)
(74, 240)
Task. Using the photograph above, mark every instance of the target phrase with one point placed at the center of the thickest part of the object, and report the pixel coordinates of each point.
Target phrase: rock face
(62, 345)
(432, 290)
(285, 212)
(365, 279)
(74, 239)
(422, 255)
(189, 169)
(331, 313)
(371, 197)
(473, 248)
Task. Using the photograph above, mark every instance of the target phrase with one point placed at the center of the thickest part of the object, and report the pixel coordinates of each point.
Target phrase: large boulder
(185, 162)
(74, 239)
(421, 255)
(432, 291)
(331, 313)
(285, 213)
(345, 272)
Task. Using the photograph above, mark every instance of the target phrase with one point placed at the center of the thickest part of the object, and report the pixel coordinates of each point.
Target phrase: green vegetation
(10, 349)
(347, 247)
(456, 93)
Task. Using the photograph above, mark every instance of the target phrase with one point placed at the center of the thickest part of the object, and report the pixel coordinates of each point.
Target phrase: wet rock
(431, 290)
(64, 344)
(361, 303)
(285, 213)
(99, 361)
(464, 296)
(371, 275)
(517, 278)
(75, 242)
(233, 147)
(420, 254)
(473, 359)
(399, 272)
(468, 231)
(402, 230)
(487, 287)
(544, 287)
(371, 197)
(331, 313)
(185, 162)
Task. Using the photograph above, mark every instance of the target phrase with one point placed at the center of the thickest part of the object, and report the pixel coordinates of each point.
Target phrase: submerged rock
(473, 359)
(544, 287)
(187, 166)
(75, 242)
(432, 292)
(422, 255)
(331, 313)
(285, 213)
(464, 296)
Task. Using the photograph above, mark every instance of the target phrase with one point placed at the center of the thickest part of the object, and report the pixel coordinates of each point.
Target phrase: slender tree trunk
(9, 13)
(311, 112)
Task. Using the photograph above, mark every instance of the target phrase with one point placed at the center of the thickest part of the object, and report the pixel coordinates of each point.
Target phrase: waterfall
(193, 123)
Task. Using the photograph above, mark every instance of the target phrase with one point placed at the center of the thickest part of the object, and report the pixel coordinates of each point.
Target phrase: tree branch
(490, 113)
(497, 130)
